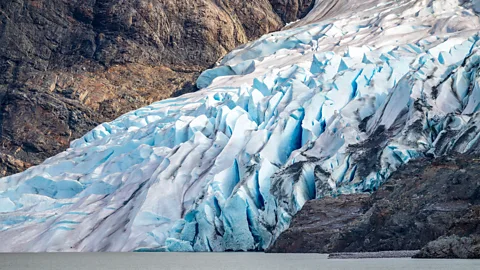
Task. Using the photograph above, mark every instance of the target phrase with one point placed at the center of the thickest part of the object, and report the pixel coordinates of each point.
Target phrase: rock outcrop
(66, 66)
(318, 221)
(452, 247)
(426, 200)
(291, 10)
(461, 241)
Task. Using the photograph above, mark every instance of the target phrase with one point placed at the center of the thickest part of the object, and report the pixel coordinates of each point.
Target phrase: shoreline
(374, 255)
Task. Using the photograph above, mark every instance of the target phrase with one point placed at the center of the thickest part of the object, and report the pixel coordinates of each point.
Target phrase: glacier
(333, 104)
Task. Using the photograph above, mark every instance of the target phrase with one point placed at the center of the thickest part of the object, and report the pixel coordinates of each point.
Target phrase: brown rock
(9, 164)
(66, 66)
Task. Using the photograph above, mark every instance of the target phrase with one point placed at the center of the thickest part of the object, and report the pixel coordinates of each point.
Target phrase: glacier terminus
(333, 104)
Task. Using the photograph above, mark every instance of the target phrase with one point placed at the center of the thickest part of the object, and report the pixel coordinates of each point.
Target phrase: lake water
(216, 261)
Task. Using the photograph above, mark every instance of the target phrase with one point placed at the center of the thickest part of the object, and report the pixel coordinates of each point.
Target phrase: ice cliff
(333, 104)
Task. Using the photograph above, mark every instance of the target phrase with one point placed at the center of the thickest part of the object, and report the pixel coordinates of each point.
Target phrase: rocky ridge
(429, 204)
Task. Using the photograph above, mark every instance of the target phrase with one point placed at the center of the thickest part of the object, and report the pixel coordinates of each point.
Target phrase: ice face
(334, 104)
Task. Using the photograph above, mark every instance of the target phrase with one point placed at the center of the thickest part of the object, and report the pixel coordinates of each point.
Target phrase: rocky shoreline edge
(374, 255)
(431, 205)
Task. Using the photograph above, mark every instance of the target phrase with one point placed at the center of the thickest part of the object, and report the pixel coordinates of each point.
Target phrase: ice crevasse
(333, 104)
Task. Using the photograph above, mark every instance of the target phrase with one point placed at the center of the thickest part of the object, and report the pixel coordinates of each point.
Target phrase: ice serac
(331, 105)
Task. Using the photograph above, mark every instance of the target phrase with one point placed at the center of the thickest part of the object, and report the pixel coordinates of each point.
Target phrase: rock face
(320, 221)
(452, 247)
(461, 241)
(425, 200)
(291, 10)
(66, 66)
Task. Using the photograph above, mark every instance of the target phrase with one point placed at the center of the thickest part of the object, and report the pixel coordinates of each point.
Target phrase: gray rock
(291, 10)
(320, 223)
(452, 247)
(374, 255)
(424, 200)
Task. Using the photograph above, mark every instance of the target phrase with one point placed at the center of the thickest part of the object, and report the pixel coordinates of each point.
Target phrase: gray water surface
(216, 261)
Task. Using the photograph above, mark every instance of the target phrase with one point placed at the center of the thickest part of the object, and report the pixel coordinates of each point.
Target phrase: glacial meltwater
(217, 261)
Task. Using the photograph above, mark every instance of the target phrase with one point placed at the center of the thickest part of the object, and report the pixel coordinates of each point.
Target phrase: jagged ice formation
(331, 105)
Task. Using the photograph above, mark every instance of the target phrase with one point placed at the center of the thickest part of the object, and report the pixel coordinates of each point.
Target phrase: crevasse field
(333, 104)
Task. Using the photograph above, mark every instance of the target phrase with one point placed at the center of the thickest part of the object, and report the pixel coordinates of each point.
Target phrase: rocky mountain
(332, 105)
(66, 66)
